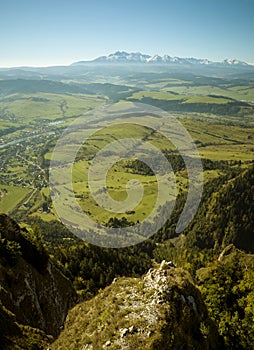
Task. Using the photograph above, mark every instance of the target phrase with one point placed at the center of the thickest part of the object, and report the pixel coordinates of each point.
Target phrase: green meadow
(31, 107)
(170, 95)
(11, 197)
(212, 110)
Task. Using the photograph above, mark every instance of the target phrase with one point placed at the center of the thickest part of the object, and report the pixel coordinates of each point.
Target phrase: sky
(60, 32)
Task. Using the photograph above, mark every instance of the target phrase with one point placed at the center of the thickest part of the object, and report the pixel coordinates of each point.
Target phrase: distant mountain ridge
(138, 57)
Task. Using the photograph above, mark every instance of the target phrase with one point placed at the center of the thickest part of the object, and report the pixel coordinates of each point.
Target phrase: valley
(31, 122)
(201, 296)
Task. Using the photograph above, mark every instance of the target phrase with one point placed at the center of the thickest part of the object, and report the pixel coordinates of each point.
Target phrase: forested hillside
(226, 215)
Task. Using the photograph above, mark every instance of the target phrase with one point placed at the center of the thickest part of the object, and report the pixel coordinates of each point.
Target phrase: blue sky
(39, 33)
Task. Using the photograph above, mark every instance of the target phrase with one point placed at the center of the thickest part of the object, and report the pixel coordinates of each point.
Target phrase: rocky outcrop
(32, 289)
(40, 300)
(163, 310)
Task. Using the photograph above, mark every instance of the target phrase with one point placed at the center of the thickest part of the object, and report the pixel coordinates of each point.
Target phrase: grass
(12, 196)
(181, 87)
(217, 138)
(118, 176)
(163, 84)
(30, 107)
(221, 142)
(166, 96)
(103, 319)
(116, 183)
(241, 153)
(153, 319)
(156, 95)
(206, 99)
(214, 141)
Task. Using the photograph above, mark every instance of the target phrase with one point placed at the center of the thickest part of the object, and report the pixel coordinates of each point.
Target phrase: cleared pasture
(11, 197)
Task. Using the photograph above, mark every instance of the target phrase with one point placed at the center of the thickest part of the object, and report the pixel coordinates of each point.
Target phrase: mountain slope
(227, 286)
(226, 215)
(31, 287)
(163, 311)
(14, 336)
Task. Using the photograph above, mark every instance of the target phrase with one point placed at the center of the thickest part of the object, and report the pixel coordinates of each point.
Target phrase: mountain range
(139, 58)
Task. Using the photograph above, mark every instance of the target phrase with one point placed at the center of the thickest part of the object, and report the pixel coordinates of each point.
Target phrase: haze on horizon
(45, 33)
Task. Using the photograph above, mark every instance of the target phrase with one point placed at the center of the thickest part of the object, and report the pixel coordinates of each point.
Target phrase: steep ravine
(32, 289)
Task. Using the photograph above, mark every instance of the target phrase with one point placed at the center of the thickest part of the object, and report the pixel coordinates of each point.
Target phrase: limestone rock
(33, 289)
(163, 310)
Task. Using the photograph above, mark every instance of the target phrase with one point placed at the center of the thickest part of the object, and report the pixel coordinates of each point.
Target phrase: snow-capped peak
(231, 62)
(138, 57)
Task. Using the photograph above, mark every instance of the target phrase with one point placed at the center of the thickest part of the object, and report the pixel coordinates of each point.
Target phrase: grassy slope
(11, 197)
(29, 107)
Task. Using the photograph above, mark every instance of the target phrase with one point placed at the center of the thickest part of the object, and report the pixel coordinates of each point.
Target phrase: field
(187, 98)
(231, 144)
(218, 141)
(218, 114)
(245, 93)
(11, 197)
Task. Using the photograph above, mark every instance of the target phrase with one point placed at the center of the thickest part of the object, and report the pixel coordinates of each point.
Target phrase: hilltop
(162, 310)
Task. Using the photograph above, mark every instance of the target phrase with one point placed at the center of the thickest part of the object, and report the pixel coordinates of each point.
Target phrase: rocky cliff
(33, 292)
(162, 310)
